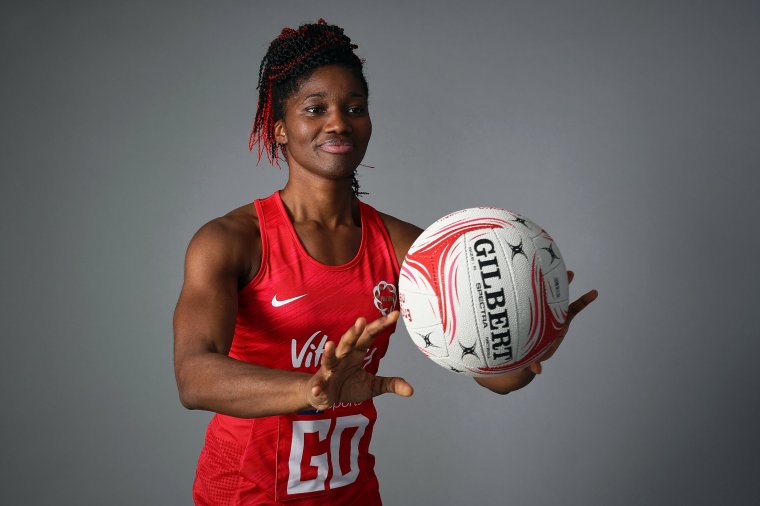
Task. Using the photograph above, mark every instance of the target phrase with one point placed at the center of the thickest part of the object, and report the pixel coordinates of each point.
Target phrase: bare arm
(509, 382)
(402, 235)
(204, 321)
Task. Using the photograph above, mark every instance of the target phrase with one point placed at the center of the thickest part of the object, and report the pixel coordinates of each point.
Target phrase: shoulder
(229, 244)
(402, 234)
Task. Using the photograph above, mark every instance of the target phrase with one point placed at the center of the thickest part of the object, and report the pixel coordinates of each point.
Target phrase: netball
(483, 291)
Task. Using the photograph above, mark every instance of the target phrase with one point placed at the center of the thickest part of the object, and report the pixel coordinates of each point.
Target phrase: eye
(315, 109)
(357, 109)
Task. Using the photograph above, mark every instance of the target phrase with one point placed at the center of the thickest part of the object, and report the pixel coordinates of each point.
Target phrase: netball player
(288, 302)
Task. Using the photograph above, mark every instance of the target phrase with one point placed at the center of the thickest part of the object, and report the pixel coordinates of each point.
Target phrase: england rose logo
(385, 297)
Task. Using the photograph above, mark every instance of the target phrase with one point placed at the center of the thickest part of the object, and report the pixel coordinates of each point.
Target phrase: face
(326, 125)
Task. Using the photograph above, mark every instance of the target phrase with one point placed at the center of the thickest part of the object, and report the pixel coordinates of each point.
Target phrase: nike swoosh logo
(279, 303)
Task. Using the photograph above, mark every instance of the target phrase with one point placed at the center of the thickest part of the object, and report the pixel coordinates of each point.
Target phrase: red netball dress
(285, 316)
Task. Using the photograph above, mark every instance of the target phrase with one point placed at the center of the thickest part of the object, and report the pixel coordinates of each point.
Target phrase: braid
(290, 57)
(355, 186)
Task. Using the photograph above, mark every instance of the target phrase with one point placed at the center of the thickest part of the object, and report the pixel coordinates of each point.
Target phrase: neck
(328, 202)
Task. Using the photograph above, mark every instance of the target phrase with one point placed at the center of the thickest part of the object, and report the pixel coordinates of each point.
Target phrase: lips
(338, 147)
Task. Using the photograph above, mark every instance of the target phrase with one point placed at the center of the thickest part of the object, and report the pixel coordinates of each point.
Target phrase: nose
(338, 122)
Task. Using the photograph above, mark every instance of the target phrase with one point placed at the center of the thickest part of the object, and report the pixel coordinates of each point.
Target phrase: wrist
(305, 398)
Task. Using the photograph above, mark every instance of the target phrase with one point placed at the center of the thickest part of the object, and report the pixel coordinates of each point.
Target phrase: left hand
(572, 311)
(515, 380)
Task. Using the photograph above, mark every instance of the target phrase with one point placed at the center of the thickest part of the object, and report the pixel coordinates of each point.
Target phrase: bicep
(204, 318)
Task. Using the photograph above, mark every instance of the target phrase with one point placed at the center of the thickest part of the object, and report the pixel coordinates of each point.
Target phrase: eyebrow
(313, 95)
(322, 94)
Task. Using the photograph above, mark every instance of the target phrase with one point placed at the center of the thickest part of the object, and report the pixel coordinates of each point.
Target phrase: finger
(580, 304)
(317, 394)
(536, 367)
(570, 276)
(329, 360)
(374, 328)
(349, 339)
(394, 385)
(319, 400)
(378, 325)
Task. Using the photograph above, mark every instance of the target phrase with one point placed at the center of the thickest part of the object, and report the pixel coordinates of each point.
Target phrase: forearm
(507, 383)
(216, 382)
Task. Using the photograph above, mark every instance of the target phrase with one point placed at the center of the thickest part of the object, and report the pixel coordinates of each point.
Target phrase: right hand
(342, 378)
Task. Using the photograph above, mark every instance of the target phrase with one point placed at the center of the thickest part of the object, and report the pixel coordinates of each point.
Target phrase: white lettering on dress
(328, 462)
(310, 351)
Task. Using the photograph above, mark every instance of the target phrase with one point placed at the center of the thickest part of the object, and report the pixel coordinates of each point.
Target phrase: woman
(263, 333)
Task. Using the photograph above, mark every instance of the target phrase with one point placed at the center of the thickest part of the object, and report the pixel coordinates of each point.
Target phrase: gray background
(628, 129)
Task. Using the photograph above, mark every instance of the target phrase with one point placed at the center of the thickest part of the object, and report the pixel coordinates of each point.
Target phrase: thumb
(394, 385)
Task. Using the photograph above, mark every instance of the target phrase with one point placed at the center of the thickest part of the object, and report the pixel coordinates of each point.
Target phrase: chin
(330, 167)
(337, 176)
(338, 169)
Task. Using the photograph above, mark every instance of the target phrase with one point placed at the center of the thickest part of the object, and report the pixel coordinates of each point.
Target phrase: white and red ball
(483, 291)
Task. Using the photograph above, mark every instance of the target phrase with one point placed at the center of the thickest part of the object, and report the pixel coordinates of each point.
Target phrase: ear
(280, 135)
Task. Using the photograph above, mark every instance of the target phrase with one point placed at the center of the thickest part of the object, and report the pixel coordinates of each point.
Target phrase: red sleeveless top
(286, 314)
